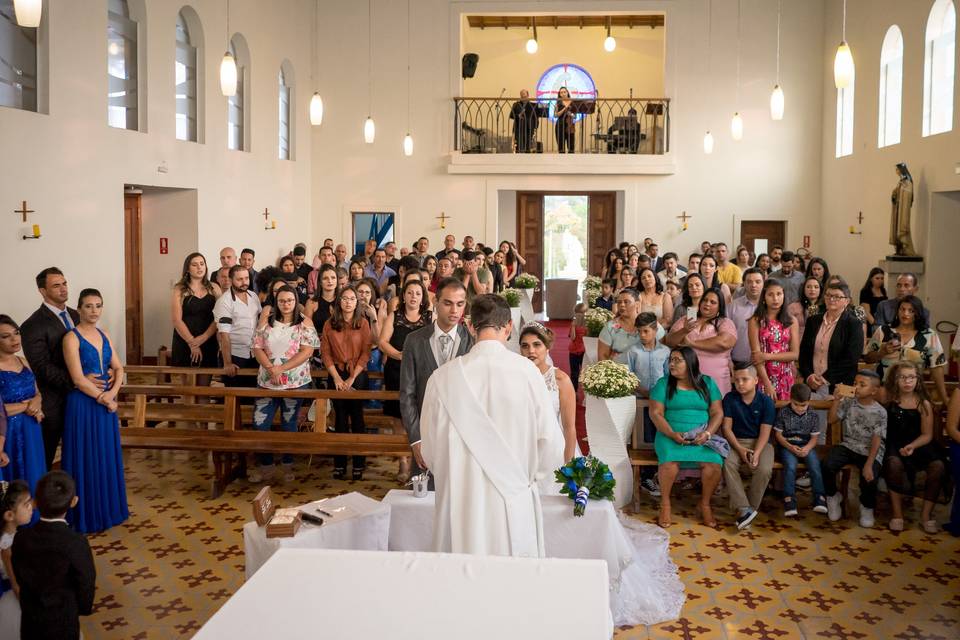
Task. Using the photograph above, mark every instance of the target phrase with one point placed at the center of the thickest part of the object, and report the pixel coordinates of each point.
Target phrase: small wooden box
(263, 506)
(280, 523)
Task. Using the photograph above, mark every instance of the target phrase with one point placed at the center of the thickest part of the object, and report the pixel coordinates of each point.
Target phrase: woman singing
(564, 126)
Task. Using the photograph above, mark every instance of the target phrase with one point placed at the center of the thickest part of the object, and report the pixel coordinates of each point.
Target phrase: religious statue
(902, 199)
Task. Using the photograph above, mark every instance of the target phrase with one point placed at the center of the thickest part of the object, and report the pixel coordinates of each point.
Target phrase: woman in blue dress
(21, 451)
(91, 432)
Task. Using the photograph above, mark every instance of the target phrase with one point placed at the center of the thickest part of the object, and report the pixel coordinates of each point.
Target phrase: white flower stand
(609, 426)
(514, 342)
(526, 305)
(590, 350)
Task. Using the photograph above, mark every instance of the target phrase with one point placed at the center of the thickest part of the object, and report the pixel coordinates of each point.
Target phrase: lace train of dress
(649, 590)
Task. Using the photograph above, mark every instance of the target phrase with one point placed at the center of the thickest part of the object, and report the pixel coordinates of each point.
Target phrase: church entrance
(759, 235)
(564, 235)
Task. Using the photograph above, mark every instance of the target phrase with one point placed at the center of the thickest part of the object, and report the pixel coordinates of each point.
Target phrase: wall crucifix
(23, 210)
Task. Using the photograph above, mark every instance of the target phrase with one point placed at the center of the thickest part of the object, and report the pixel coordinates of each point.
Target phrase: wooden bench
(227, 441)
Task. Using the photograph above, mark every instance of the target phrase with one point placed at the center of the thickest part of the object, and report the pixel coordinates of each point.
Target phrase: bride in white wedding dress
(648, 589)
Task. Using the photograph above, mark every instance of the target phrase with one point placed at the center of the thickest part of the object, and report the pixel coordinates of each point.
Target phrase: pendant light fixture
(610, 43)
(736, 123)
(369, 129)
(776, 98)
(316, 102)
(228, 66)
(28, 12)
(408, 139)
(708, 137)
(843, 62)
(532, 44)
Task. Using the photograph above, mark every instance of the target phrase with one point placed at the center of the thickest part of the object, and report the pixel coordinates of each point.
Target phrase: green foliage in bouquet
(608, 379)
(512, 296)
(595, 320)
(583, 478)
(526, 281)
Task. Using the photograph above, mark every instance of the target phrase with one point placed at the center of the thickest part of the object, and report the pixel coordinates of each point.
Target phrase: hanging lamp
(609, 43)
(843, 62)
(708, 137)
(316, 102)
(532, 44)
(736, 123)
(708, 143)
(369, 128)
(776, 97)
(408, 139)
(228, 66)
(28, 12)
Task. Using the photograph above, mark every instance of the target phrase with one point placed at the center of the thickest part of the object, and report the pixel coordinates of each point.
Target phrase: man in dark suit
(42, 337)
(425, 350)
(53, 565)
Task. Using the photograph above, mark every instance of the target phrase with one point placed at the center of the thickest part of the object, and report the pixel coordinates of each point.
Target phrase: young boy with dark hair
(797, 430)
(605, 300)
(864, 430)
(53, 564)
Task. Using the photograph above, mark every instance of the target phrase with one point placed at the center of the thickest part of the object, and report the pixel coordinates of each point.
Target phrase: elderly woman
(712, 335)
(686, 402)
(909, 338)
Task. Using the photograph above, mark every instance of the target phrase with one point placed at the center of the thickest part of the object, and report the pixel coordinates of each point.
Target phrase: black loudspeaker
(469, 64)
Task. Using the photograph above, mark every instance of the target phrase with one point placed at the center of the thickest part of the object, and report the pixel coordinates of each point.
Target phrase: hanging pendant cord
(778, 40)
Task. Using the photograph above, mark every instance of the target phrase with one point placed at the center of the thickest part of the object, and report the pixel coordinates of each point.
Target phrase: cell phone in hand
(691, 314)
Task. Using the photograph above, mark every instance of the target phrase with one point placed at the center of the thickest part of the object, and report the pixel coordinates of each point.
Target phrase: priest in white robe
(489, 433)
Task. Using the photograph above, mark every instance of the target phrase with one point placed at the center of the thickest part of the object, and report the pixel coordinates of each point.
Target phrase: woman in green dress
(681, 402)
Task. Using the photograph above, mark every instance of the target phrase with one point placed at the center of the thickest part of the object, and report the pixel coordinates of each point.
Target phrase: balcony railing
(609, 125)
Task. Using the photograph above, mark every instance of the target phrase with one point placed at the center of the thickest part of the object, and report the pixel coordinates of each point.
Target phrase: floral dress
(282, 342)
(775, 338)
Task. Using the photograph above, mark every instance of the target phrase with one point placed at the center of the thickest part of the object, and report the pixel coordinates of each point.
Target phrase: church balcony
(608, 136)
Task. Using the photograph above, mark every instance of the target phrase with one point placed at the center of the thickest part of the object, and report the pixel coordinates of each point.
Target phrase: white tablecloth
(597, 535)
(362, 524)
(317, 593)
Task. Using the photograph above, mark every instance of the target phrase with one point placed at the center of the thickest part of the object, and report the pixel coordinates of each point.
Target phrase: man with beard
(236, 313)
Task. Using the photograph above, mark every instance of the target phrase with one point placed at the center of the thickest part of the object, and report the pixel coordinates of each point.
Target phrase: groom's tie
(65, 317)
(446, 348)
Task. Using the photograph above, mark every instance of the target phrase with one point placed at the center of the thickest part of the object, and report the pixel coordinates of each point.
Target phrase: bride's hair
(537, 329)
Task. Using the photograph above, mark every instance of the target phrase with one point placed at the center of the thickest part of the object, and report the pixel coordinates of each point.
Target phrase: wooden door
(530, 238)
(773, 231)
(602, 225)
(134, 277)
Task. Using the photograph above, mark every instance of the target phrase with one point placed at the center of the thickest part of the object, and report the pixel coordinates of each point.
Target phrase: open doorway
(371, 225)
(160, 230)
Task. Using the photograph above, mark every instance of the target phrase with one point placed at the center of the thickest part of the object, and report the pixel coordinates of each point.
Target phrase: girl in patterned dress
(774, 342)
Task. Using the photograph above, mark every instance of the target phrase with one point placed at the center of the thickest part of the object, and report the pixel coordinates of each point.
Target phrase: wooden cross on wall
(443, 217)
(860, 217)
(266, 215)
(23, 210)
(683, 220)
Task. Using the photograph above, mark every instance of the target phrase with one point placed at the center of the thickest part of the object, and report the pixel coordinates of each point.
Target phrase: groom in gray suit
(425, 350)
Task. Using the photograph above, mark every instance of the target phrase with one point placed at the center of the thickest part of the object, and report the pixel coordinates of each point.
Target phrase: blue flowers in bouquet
(583, 478)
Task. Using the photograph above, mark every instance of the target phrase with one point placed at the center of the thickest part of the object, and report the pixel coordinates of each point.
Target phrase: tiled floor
(180, 556)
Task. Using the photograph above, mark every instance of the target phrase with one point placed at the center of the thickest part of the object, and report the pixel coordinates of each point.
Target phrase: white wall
(71, 167)
(170, 214)
(864, 181)
(636, 63)
(773, 173)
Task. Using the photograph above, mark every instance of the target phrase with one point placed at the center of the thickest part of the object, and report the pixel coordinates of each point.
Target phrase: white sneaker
(866, 517)
(803, 481)
(835, 507)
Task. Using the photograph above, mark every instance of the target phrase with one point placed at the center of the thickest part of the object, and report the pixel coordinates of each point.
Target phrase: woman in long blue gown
(22, 446)
(91, 432)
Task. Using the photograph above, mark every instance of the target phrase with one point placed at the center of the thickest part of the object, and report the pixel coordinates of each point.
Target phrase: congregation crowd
(715, 343)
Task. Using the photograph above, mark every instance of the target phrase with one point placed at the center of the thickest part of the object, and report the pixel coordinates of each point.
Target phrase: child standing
(53, 563)
(605, 301)
(648, 361)
(864, 430)
(774, 341)
(910, 445)
(16, 510)
(797, 431)
(578, 329)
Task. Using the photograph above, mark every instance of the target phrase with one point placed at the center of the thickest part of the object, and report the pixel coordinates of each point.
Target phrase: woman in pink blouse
(712, 335)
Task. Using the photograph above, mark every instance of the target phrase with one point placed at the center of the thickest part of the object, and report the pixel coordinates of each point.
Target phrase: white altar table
(358, 522)
(322, 593)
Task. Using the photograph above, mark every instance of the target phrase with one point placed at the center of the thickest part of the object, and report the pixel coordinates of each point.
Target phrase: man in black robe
(525, 122)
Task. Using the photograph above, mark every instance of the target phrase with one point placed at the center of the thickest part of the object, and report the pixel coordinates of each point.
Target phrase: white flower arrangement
(512, 296)
(526, 281)
(591, 289)
(608, 379)
(595, 319)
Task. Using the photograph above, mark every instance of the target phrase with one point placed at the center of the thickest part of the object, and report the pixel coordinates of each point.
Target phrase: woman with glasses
(684, 403)
(911, 339)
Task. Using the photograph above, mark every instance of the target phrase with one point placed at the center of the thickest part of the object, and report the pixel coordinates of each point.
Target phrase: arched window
(938, 68)
(18, 61)
(891, 87)
(186, 69)
(238, 105)
(122, 94)
(286, 110)
(845, 118)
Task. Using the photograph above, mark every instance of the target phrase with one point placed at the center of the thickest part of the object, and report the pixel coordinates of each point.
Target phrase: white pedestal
(526, 306)
(609, 426)
(590, 346)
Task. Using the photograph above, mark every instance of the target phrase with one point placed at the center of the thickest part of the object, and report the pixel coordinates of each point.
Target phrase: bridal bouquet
(595, 319)
(526, 281)
(609, 379)
(583, 478)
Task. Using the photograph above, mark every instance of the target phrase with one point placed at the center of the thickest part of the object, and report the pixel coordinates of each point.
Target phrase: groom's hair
(489, 311)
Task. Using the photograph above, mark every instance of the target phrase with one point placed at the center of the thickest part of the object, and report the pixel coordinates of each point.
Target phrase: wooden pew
(228, 441)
